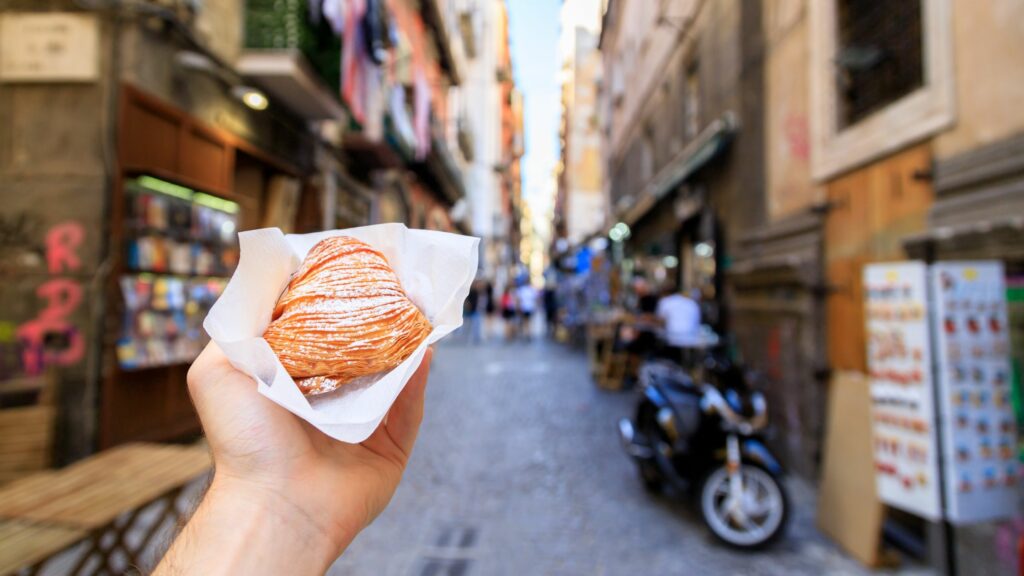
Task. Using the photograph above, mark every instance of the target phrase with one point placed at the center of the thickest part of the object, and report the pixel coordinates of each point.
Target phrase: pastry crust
(344, 315)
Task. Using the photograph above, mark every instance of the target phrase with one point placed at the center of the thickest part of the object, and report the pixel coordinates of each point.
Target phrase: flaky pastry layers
(344, 315)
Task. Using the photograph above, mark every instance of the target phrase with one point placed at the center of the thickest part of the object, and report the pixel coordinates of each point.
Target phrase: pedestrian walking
(551, 308)
(526, 300)
(471, 310)
(508, 313)
(490, 307)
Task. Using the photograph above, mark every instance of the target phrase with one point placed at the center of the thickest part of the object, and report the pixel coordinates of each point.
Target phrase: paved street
(518, 471)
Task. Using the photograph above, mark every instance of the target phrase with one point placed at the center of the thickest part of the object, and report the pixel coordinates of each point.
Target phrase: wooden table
(96, 497)
(24, 544)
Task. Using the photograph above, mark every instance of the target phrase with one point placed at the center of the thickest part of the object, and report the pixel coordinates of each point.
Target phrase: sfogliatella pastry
(344, 315)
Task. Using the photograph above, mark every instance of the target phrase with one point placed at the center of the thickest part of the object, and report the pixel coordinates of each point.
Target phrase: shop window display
(180, 247)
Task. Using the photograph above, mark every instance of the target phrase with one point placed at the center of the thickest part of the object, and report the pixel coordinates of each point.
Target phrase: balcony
(503, 73)
(440, 171)
(295, 61)
(433, 18)
(466, 140)
(468, 31)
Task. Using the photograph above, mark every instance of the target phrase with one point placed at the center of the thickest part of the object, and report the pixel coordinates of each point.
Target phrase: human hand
(299, 477)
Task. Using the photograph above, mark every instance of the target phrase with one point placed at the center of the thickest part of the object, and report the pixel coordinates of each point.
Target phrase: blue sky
(534, 29)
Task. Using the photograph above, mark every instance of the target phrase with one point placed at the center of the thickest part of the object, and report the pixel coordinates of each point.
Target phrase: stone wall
(55, 154)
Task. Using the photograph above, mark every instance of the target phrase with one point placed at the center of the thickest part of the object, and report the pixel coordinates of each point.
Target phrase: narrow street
(518, 470)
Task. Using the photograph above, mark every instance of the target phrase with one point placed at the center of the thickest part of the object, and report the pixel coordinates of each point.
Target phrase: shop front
(673, 233)
(183, 191)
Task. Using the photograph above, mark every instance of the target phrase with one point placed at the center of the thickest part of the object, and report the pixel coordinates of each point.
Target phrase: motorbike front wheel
(752, 518)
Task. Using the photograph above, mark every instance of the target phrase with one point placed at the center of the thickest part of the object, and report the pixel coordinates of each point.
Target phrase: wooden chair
(27, 415)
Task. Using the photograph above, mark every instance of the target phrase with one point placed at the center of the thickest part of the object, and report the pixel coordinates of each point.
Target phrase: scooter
(702, 436)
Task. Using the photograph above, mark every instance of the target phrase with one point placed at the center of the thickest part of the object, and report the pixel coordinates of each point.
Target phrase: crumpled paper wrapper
(435, 268)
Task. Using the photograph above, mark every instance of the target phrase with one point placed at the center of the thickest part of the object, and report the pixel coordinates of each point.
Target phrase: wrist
(262, 507)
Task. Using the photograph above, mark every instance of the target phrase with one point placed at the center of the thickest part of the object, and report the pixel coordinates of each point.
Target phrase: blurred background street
(518, 470)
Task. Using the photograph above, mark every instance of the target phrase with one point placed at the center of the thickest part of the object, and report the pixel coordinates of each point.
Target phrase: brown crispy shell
(344, 315)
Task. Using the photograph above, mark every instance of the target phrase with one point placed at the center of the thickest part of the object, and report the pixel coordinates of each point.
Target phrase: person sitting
(645, 320)
(679, 315)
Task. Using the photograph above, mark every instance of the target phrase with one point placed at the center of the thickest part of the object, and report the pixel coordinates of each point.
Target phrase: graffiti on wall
(50, 338)
(797, 136)
(19, 241)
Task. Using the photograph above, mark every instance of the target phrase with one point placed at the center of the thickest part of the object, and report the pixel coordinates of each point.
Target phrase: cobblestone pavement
(518, 470)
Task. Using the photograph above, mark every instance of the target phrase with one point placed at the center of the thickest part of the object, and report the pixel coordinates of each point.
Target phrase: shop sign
(973, 371)
(52, 47)
(956, 314)
(902, 396)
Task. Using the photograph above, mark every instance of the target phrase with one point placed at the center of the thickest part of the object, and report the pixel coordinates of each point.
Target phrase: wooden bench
(27, 415)
(97, 500)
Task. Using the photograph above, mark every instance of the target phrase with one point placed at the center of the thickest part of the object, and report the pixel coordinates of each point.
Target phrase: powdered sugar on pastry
(344, 315)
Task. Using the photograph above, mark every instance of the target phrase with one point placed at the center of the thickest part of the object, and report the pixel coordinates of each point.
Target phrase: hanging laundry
(399, 111)
(334, 12)
(421, 115)
(375, 31)
(402, 63)
(374, 101)
(352, 60)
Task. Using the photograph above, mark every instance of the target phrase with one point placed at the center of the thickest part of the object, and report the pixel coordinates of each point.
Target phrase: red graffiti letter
(62, 297)
(61, 242)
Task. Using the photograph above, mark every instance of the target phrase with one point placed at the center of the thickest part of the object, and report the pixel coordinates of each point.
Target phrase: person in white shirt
(680, 317)
(526, 299)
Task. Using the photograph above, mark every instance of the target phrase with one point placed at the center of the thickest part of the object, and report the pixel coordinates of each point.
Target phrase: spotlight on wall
(619, 232)
(704, 250)
(251, 97)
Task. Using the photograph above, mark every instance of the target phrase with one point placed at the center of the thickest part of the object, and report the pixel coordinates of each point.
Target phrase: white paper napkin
(435, 268)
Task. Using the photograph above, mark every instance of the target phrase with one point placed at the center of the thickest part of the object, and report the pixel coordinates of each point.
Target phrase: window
(691, 103)
(647, 158)
(879, 55)
(881, 78)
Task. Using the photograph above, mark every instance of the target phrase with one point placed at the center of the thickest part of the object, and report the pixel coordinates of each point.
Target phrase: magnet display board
(902, 393)
(969, 317)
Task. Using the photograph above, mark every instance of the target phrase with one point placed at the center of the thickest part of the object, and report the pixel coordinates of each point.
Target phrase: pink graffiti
(61, 242)
(795, 128)
(62, 296)
(1009, 536)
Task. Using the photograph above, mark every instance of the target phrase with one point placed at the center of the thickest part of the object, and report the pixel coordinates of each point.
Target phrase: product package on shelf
(172, 229)
(163, 318)
(974, 375)
(180, 246)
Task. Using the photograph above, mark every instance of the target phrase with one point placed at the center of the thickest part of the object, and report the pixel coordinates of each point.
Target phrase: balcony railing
(296, 60)
(432, 17)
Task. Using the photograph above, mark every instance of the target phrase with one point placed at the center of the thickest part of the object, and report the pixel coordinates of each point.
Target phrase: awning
(703, 149)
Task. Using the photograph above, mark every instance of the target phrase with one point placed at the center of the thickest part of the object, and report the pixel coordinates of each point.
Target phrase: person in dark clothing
(645, 322)
(648, 304)
(550, 308)
(489, 294)
(472, 323)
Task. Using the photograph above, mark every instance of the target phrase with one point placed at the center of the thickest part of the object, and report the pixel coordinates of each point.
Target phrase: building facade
(489, 131)
(135, 148)
(580, 204)
(711, 178)
(919, 154)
